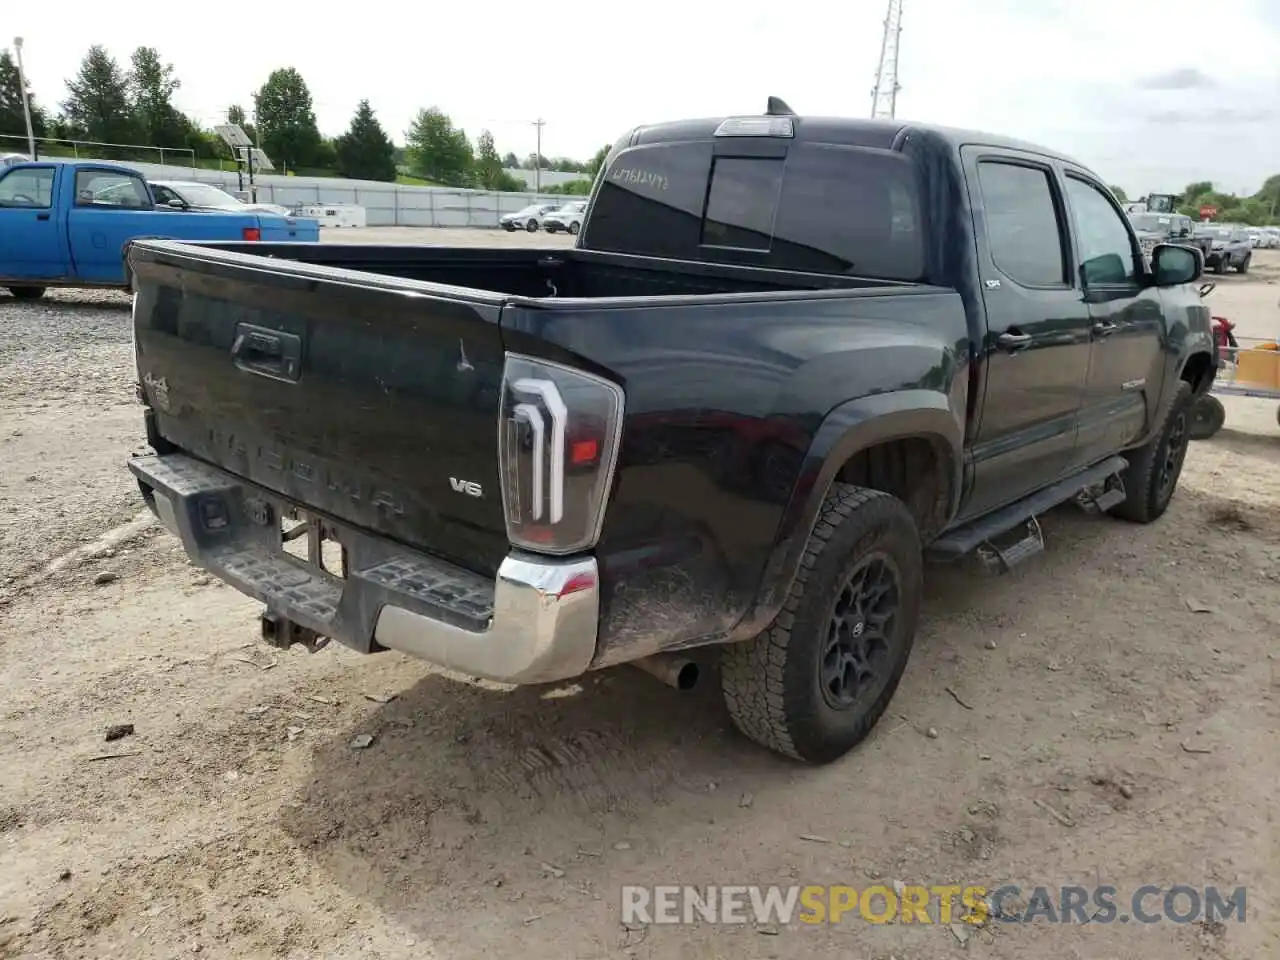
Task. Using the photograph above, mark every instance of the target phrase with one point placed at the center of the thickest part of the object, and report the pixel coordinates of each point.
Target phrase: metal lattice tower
(884, 95)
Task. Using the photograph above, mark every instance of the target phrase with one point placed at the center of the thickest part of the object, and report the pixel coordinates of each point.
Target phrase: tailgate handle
(266, 352)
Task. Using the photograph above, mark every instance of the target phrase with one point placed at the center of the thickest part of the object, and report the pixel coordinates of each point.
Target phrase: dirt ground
(1107, 714)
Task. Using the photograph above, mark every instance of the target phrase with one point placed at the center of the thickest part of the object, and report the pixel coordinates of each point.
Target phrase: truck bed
(546, 272)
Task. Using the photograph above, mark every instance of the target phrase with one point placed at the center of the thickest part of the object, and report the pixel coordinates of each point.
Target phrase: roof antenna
(778, 108)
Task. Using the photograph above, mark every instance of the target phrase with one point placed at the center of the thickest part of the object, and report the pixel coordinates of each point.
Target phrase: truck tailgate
(370, 399)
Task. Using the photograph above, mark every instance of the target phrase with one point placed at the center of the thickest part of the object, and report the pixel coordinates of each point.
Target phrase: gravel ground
(1105, 714)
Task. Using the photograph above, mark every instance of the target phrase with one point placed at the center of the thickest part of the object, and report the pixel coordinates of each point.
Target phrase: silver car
(569, 218)
(529, 218)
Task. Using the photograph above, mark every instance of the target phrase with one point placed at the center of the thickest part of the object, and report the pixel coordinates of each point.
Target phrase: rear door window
(1024, 232)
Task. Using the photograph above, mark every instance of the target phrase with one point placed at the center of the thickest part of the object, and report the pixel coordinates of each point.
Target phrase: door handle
(270, 353)
(42, 216)
(1012, 340)
(1104, 329)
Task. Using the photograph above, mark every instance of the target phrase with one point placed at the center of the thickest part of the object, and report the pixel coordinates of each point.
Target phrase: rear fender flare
(847, 429)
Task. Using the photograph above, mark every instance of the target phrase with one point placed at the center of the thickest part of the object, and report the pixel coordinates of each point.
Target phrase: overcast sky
(1151, 95)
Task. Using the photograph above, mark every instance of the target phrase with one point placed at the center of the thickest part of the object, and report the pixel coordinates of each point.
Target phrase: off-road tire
(27, 293)
(1206, 417)
(1146, 497)
(771, 683)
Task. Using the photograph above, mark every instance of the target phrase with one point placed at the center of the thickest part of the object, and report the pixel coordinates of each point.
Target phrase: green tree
(1269, 198)
(13, 123)
(97, 105)
(205, 143)
(489, 173)
(151, 88)
(510, 161)
(439, 151)
(1119, 193)
(287, 120)
(597, 161)
(365, 152)
(571, 188)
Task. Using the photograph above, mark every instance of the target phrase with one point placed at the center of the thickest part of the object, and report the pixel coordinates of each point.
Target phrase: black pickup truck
(788, 359)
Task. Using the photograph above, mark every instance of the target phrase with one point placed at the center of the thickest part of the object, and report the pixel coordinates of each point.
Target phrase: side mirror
(1173, 265)
(177, 204)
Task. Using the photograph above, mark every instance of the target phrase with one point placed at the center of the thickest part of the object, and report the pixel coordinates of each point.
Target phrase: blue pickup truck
(68, 224)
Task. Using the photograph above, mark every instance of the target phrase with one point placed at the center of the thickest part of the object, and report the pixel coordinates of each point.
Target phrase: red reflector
(577, 583)
(584, 452)
(251, 233)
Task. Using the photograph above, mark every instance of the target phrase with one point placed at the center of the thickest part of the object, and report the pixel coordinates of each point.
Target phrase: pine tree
(13, 123)
(151, 88)
(97, 106)
(365, 152)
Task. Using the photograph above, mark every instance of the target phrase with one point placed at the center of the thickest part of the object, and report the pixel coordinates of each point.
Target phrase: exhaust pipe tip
(687, 675)
(675, 671)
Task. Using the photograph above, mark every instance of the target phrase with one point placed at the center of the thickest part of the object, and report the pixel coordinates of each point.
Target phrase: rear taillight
(252, 234)
(558, 432)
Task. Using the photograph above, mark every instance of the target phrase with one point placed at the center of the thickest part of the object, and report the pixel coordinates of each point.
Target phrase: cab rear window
(819, 208)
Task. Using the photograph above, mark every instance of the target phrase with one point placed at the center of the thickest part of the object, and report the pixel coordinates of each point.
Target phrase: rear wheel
(1206, 417)
(574, 228)
(1244, 264)
(818, 679)
(532, 226)
(27, 293)
(1153, 471)
(1221, 265)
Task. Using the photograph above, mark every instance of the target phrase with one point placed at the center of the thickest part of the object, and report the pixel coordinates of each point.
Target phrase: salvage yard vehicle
(1153, 228)
(787, 358)
(569, 217)
(193, 195)
(528, 218)
(1228, 247)
(67, 224)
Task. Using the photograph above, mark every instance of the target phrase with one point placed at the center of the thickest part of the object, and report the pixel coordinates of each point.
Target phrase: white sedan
(530, 218)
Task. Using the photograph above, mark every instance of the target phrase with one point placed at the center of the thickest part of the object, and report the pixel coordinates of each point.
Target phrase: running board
(985, 531)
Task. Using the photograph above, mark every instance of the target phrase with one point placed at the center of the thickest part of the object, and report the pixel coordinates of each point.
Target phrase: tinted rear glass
(821, 209)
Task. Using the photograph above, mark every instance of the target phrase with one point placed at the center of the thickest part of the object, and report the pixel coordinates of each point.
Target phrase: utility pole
(884, 95)
(537, 157)
(26, 103)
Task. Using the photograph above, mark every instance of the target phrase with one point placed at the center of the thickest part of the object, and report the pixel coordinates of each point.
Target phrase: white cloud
(1068, 75)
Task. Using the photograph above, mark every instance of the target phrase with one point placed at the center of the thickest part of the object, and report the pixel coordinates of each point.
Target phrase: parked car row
(1229, 247)
(1264, 238)
(552, 217)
